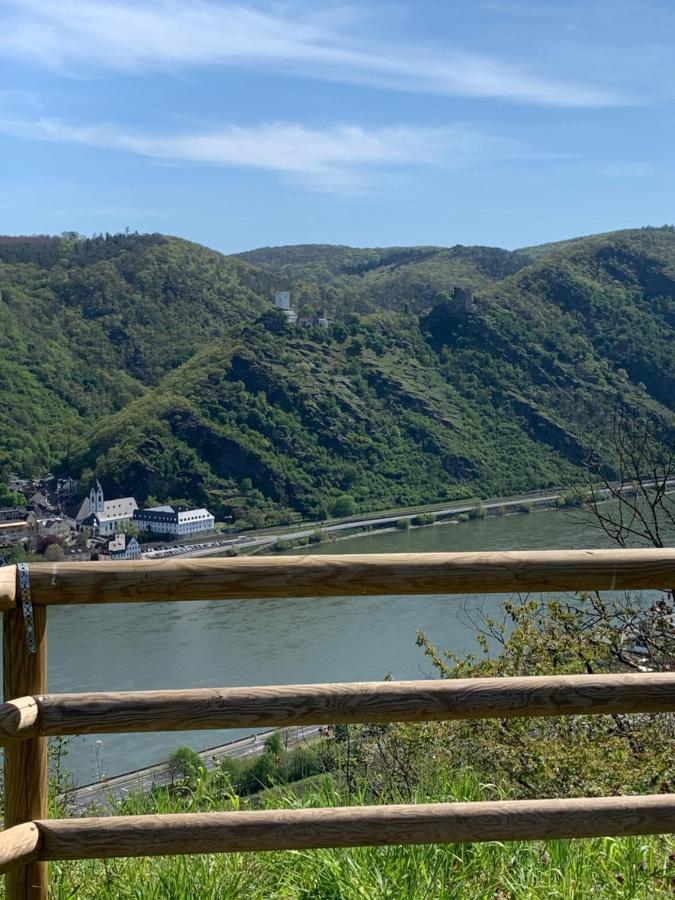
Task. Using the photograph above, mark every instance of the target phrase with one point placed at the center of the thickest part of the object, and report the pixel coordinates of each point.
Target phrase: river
(182, 645)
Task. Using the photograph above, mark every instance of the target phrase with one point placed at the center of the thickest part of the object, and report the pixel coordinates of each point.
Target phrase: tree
(424, 519)
(187, 764)
(345, 505)
(274, 321)
(48, 541)
(590, 633)
(634, 506)
(54, 553)
(9, 498)
(130, 528)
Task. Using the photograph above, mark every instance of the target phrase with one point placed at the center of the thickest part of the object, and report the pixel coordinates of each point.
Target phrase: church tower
(96, 502)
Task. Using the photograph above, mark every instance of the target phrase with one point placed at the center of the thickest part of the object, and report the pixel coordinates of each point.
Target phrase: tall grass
(631, 868)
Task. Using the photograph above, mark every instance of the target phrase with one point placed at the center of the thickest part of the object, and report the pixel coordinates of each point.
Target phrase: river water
(184, 645)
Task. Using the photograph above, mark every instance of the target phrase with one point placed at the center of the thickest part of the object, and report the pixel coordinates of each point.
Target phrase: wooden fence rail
(19, 846)
(353, 826)
(349, 575)
(282, 706)
(29, 714)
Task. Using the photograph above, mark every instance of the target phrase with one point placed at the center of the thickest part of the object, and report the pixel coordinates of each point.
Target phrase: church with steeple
(104, 516)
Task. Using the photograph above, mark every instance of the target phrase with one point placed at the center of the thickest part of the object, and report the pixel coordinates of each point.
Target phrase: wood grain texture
(18, 846)
(18, 719)
(397, 701)
(356, 826)
(350, 575)
(25, 674)
(7, 587)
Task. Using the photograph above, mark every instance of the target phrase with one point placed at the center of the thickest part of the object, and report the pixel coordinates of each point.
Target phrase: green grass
(631, 868)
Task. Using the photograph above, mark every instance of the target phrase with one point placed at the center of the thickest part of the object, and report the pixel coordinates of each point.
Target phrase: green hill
(339, 280)
(147, 359)
(87, 325)
(307, 416)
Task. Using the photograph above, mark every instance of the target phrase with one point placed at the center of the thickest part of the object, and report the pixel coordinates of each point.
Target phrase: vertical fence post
(25, 674)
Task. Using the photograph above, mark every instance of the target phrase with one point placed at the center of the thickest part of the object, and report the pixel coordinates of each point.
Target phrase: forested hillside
(339, 280)
(87, 325)
(160, 365)
(305, 416)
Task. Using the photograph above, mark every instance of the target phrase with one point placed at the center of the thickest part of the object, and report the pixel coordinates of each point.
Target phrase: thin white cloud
(165, 34)
(333, 159)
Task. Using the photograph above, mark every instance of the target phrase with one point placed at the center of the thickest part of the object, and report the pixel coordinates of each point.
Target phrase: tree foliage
(161, 366)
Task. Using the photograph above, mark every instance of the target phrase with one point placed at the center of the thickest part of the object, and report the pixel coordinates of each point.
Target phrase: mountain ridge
(162, 365)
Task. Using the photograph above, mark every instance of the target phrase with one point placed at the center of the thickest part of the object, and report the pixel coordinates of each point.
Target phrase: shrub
(478, 512)
(524, 507)
(571, 498)
(282, 545)
(275, 766)
(273, 744)
(303, 762)
(187, 763)
(403, 524)
(424, 519)
(315, 538)
(345, 505)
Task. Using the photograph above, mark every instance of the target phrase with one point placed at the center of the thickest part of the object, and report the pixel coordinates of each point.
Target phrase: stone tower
(462, 299)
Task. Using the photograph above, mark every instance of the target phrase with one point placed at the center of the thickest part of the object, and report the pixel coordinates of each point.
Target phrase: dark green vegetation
(88, 325)
(245, 776)
(160, 365)
(340, 280)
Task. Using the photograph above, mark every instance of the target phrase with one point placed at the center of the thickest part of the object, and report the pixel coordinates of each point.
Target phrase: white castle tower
(282, 302)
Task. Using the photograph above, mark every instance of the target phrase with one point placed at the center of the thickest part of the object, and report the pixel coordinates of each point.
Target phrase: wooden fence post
(25, 674)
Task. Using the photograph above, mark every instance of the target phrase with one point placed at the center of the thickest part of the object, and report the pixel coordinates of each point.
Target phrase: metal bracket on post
(27, 607)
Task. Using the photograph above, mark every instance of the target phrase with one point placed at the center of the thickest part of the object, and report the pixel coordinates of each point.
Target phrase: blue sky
(506, 122)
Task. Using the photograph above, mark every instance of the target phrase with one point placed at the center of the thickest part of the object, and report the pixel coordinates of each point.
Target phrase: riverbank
(509, 507)
(281, 540)
(314, 533)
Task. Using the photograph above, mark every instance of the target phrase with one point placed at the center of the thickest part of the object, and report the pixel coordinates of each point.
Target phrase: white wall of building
(189, 522)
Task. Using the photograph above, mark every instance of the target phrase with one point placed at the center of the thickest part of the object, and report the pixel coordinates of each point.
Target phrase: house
(104, 516)
(57, 526)
(15, 532)
(16, 484)
(121, 546)
(39, 503)
(66, 486)
(177, 521)
(321, 321)
(13, 514)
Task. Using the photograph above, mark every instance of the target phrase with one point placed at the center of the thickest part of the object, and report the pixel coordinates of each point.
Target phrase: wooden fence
(29, 714)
